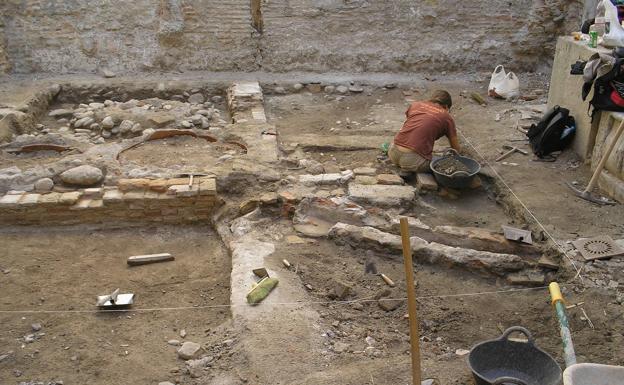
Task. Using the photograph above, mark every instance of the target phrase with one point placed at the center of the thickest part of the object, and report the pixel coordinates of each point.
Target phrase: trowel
(115, 300)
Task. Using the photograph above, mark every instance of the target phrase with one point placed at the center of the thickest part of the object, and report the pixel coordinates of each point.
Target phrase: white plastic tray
(593, 374)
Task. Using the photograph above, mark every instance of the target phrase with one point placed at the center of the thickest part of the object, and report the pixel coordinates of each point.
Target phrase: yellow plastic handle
(555, 293)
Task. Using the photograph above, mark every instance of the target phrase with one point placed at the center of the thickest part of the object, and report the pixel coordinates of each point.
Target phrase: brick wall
(64, 36)
(139, 200)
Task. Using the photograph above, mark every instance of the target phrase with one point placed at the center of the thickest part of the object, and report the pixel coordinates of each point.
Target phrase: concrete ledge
(565, 91)
(612, 185)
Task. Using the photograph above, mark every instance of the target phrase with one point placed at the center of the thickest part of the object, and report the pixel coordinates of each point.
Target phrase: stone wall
(134, 200)
(4, 59)
(66, 36)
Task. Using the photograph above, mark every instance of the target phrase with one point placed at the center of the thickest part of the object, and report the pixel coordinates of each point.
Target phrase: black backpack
(554, 132)
(608, 90)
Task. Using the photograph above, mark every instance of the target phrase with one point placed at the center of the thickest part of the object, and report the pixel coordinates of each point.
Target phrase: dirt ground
(64, 269)
(448, 324)
(90, 347)
(180, 152)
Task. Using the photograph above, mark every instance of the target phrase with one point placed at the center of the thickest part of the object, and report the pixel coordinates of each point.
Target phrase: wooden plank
(149, 258)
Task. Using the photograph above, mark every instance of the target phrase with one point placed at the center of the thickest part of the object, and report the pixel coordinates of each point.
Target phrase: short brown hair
(442, 98)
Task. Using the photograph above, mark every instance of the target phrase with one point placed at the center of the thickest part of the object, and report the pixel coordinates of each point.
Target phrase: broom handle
(603, 160)
(564, 325)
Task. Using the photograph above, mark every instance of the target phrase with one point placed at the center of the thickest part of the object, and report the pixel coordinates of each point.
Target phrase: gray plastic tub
(593, 374)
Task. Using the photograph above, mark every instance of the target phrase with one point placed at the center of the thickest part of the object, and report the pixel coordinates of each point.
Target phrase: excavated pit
(63, 269)
(284, 182)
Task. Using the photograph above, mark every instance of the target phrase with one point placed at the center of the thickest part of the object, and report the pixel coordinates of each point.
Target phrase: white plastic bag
(614, 33)
(503, 85)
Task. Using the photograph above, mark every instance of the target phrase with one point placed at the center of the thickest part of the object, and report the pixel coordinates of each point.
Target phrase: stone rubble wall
(296, 35)
(133, 200)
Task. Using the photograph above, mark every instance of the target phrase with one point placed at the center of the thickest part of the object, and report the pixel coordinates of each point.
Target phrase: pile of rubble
(96, 122)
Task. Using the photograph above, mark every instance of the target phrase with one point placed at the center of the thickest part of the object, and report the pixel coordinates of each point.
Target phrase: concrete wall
(565, 91)
(65, 36)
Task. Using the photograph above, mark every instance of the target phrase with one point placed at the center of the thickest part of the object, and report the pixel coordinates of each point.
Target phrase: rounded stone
(44, 184)
(189, 350)
(298, 87)
(196, 98)
(82, 175)
(108, 123)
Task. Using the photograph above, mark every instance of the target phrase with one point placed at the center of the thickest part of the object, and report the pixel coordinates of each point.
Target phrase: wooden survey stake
(150, 258)
(411, 301)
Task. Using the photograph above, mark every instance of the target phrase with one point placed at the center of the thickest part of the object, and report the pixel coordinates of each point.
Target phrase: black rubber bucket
(459, 179)
(505, 362)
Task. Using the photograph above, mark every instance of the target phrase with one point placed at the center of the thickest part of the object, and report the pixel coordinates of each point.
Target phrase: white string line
(578, 271)
(359, 300)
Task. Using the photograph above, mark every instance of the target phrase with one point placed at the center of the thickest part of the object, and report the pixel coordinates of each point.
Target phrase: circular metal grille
(598, 246)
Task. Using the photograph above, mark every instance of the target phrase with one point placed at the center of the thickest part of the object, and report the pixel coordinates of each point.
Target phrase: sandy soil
(65, 268)
(180, 152)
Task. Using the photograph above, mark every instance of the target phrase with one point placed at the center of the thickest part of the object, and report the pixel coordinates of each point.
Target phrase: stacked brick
(133, 200)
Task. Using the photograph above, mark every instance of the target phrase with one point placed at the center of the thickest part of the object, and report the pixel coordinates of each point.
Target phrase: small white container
(593, 374)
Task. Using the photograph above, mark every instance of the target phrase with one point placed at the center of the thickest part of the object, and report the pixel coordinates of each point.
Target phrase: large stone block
(382, 195)
(474, 260)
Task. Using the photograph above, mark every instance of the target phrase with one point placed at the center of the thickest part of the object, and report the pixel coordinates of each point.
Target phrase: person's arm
(451, 134)
(454, 141)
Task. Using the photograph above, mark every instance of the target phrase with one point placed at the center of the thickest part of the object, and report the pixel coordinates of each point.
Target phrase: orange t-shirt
(426, 122)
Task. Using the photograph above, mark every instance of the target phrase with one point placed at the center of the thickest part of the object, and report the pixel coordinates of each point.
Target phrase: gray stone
(82, 175)
(382, 195)
(36, 327)
(108, 122)
(312, 166)
(126, 126)
(365, 171)
(389, 304)
(342, 89)
(356, 89)
(217, 99)
(435, 253)
(108, 73)
(84, 122)
(106, 134)
(280, 90)
(61, 112)
(298, 87)
(365, 179)
(189, 350)
(340, 291)
(340, 347)
(44, 185)
(136, 129)
(325, 179)
(174, 342)
(196, 99)
(165, 383)
(329, 89)
(186, 124)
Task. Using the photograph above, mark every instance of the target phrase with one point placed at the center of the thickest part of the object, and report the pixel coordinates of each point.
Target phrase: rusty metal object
(41, 147)
(162, 134)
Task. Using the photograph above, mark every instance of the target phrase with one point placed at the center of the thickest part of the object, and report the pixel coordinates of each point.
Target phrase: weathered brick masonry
(133, 200)
(64, 36)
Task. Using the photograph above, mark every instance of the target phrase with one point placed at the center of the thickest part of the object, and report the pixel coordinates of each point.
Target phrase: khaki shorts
(408, 161)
